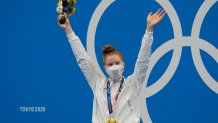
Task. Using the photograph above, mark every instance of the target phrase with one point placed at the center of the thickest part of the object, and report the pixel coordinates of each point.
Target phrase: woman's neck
(115, 80)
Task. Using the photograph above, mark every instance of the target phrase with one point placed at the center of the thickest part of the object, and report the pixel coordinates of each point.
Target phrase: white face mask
(115, 71)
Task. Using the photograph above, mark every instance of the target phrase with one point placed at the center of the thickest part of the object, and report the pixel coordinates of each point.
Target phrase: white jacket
(127, 108)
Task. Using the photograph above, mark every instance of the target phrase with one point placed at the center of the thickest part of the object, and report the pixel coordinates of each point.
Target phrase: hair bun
(107, 49)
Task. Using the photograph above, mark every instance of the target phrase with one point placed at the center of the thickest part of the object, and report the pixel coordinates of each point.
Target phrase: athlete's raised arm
(145, 50)
(83, 60)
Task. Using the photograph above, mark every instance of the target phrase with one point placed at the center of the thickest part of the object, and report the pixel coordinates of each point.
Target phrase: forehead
(112, 58)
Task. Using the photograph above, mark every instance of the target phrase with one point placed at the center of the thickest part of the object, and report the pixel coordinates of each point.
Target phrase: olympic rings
(175, 44)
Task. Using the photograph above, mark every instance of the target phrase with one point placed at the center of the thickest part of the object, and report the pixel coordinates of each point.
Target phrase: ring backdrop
(175, 44)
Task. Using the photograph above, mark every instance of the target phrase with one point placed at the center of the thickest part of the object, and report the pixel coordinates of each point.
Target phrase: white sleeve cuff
(72, 36)
(149, 34)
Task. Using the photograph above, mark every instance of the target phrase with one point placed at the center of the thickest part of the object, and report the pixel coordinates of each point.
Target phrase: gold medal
(112, 120)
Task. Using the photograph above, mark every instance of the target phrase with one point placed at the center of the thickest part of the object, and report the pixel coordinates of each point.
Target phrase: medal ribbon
(110, 106)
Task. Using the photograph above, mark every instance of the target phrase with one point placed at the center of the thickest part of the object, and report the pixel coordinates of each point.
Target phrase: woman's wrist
(68, 30)
(149, 28)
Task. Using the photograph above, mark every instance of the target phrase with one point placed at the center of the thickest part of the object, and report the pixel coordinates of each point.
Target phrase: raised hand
(154, 19)
(66, 26)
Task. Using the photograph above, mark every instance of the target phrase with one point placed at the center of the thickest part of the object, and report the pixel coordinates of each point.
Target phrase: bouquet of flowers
(66, 6)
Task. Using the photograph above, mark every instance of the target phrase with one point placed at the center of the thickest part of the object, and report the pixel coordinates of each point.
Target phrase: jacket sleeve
(83, 60)
(143, 59)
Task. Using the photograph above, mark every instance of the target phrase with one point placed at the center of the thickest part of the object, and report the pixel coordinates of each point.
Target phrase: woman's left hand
(154, 19)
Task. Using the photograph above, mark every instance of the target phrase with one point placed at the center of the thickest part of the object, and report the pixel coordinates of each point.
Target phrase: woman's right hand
(66, 26)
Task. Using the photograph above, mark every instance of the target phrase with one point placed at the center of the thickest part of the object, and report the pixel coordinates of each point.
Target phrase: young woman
(115, 97)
